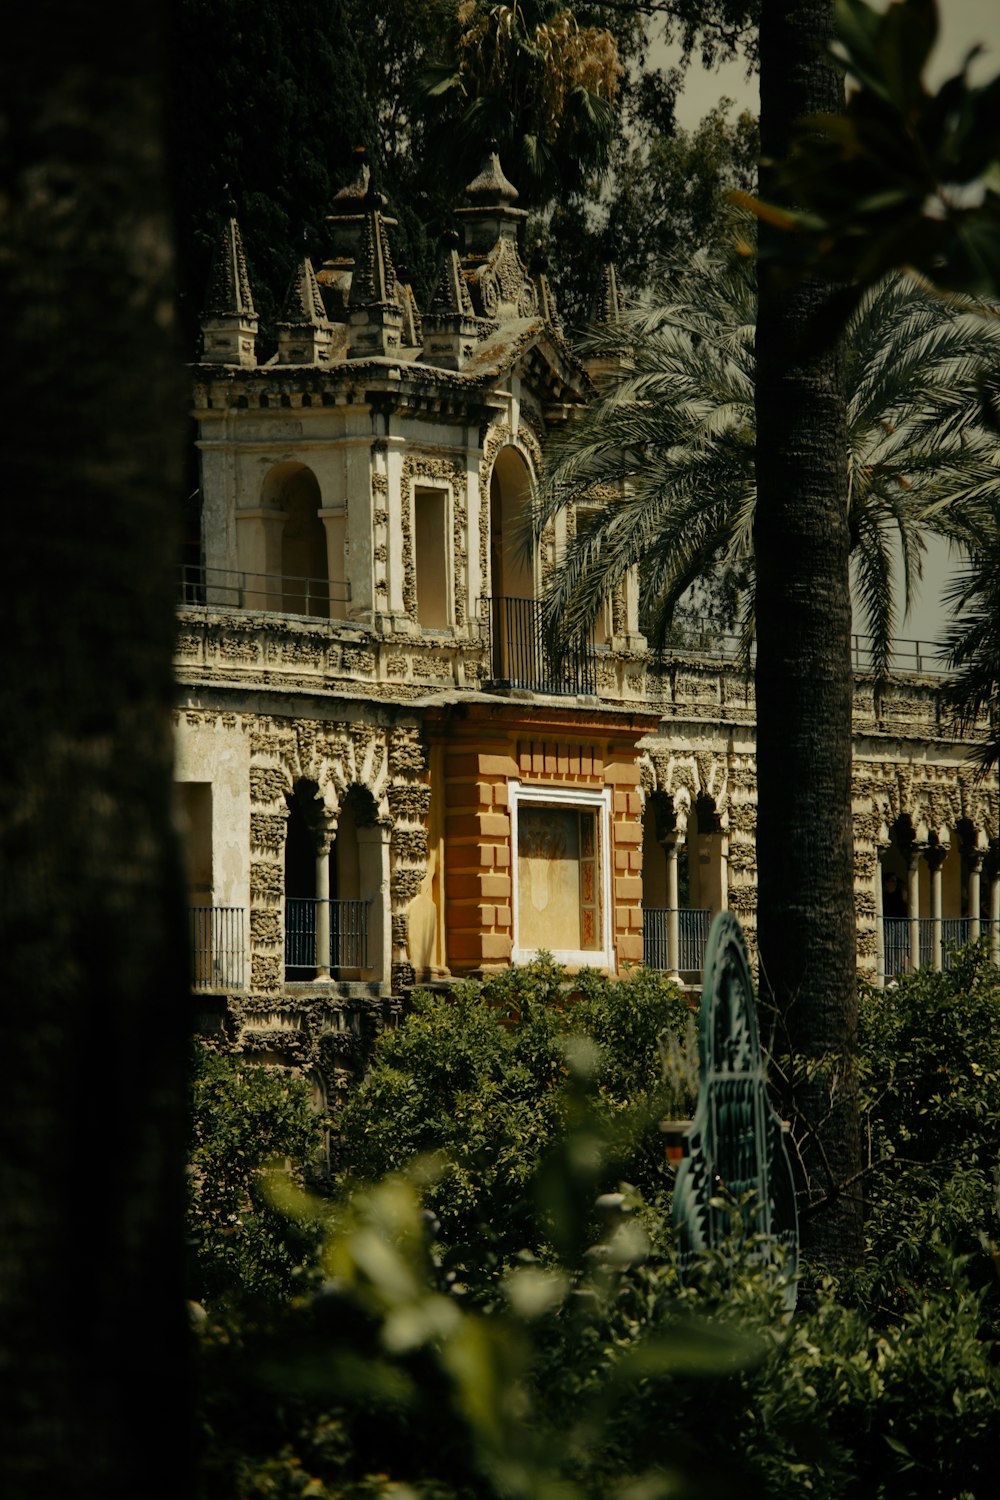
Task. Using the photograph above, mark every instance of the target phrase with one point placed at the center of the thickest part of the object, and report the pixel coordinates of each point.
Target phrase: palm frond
(663, 460)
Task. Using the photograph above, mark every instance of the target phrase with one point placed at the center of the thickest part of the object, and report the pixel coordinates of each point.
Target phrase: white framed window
(560, 851)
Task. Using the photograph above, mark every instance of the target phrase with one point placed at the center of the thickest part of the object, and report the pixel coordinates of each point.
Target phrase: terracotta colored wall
(479, 761)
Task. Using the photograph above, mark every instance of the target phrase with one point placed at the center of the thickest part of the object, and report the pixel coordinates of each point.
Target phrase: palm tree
(672, 438)
(973, 641)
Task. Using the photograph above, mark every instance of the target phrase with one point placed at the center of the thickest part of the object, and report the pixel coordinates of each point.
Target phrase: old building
(382, 777)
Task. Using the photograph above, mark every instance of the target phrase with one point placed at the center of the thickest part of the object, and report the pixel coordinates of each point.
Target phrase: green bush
(929, 1078)
(583, 1367)
(246, 1120)
(475, 1079)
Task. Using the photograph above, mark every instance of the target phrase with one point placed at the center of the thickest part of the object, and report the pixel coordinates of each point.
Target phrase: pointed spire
(375, 315)
(451, 295)
(229, 324)
(607, 304)
(608, 307)
(546, 297)
(412, 332)
(451, 329)
(303, 303)
(304, 331)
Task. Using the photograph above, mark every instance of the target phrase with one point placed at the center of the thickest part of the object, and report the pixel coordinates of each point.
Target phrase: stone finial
(489, 213)
(450, 328)
(304, 333)
(229, 324)
(346, 218)
(376, 319)
(351, 198)
(490, 185)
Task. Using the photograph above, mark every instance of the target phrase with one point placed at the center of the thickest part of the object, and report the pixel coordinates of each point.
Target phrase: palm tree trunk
(804, 683)
(94, 1391)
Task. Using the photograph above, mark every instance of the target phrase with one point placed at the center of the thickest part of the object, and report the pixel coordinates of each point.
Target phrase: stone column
(673, 918)
(913, 903)
(334, 518)
(995, 917)
(975, 893)
(323, 907)
(936, 856)
(879, 929)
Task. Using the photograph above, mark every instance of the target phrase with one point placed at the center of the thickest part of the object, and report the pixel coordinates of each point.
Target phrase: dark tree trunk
(93, 1343)
(804, 684)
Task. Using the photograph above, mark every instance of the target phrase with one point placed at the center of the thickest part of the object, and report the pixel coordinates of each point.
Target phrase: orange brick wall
(479, 761)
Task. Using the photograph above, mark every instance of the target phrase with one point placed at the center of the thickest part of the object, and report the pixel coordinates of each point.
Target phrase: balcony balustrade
(325, 936)
(691, 940)
(955, 932)
(218, 953)
(517, 654)
(227, 588)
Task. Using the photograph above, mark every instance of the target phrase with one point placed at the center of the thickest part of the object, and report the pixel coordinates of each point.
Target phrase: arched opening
(921, 897)
(334, 888)
(302, 841)
(514, 621)
(683, 883)
(304, 570)
(512, 573)
(358, 886)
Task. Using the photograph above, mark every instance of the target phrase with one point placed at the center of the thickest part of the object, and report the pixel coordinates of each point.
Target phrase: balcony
(517, 655)
(225, 588)
(216, 945)
(954, 932)
(325, 937)
(674, 939)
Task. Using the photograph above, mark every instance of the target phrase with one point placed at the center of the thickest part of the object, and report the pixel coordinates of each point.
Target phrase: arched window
(306, 589)
(335, 890)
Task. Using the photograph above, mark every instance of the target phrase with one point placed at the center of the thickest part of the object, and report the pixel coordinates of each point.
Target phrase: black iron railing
(693, 924)
(955, 932)
(218, 955)
(305, 945)
(281, 593)
(518, 658)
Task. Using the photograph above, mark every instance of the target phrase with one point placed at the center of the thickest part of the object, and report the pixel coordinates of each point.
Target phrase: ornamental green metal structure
(734, 1149)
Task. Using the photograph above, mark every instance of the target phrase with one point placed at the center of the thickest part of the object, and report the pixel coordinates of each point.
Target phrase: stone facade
(382, 778)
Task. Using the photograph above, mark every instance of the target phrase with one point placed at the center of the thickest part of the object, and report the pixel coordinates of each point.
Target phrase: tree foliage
(903, 177)
(670, 447)
(246, 1122)
(585, 1366)
(476, 1080)
(271, 101)
(973, 640)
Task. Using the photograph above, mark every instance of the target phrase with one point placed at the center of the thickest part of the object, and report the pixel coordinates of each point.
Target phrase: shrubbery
(489, 1326)
(245, 1121)
(475, 1078)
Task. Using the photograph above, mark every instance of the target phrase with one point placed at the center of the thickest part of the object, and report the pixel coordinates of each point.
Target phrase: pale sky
(963, 24)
